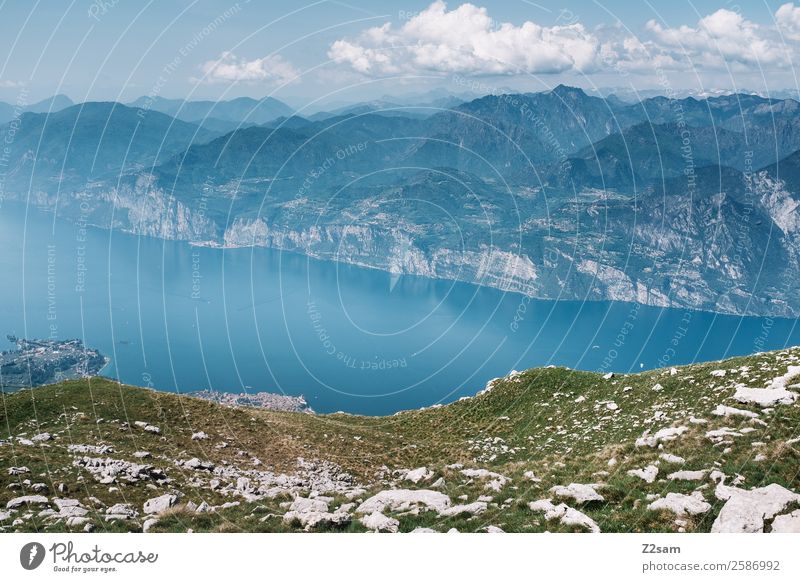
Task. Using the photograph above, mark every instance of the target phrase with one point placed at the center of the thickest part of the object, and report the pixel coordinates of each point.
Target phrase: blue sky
(345, 51)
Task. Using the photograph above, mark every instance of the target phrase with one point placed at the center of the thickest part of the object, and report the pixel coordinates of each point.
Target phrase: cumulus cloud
(788, 19)
(722, 37)
(229, 68)
(466, 40)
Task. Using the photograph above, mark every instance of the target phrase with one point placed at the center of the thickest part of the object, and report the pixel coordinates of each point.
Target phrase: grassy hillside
(529, 433)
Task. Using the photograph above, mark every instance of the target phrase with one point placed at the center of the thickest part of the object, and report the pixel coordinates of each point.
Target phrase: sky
(311, 54)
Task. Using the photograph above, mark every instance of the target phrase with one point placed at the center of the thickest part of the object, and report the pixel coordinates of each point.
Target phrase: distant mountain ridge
(50, 105)
(560, 194)
(242, 110)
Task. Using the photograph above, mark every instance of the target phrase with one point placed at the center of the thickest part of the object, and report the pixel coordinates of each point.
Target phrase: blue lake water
(183, 318)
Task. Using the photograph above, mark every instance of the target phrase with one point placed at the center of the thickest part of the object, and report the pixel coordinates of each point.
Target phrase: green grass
(530, 423)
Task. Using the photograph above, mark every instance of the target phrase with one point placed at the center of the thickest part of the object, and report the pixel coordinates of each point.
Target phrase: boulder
(496, 481)
(687, 475)
(661, 436)
(579, 492)
(745, 510)
(764, 396)
(404, 500)
(376, 521)
(648, 474)
(565, 514)
(121, 511)
(18, 502)
(788, 523)
(418, 474)
(159, 504)
(474, 508)
(681, 504)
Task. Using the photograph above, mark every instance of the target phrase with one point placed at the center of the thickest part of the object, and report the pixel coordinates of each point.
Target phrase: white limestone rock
(378, 522)
(581, 493)
(745, 510)
(419, 474)
(687, 475)
(565, 514)
(664, 435)
(531, 476)
(648, 474)
(18, 502)
(405, 500)
(788, 523)
(474, 508)
(496, 481)
(682, 505)
(160, 504)
(722, 410)
(121, 511)
(670, 458)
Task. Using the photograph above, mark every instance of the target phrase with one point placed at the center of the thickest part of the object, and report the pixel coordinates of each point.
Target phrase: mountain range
(669, 202)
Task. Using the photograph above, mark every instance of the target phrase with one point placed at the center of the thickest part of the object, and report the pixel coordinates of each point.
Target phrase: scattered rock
(565, 514)
(682, 505)
(474, 508)
(648, 474)
(107, 470)
(90, 449)
(745, 510)
(581, 493)
(531, 476)
(418, 475)
(159, 504)
(404, 500)
(18, 502)
(121, 511)
(661, 436)
(788, 523)
(496, 481)
(669, 458)
(721, 410)
(376, 521)
(147, 427)
(196, 464)
(687, 475)
(199, 436)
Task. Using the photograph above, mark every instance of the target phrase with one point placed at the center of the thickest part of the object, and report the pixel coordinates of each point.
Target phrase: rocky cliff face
(733, 251)
(555, 195)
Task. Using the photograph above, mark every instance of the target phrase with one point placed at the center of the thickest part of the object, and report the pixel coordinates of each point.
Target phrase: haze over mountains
(681, 202)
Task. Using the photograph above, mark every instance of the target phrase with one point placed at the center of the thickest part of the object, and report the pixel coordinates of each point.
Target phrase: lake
(183, 318)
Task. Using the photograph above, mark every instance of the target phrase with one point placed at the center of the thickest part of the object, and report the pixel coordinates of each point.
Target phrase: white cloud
(229, 68)
(788, 19)
(466, 40)
(724, 37)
